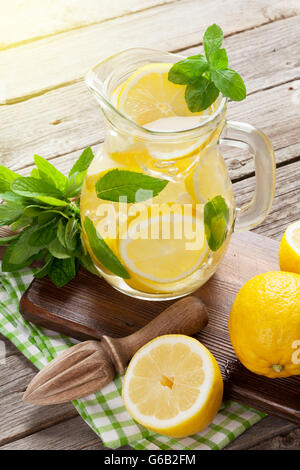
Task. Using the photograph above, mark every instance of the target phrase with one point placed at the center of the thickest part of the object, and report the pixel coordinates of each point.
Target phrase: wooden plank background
(45, 50)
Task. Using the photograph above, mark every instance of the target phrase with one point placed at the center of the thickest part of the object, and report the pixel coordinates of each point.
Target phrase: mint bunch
(44, 211)
(206, 76)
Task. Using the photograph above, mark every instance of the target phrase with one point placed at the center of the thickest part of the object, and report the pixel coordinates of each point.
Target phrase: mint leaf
(22, 222)
(50, 174)
(35, 173)
(83, 162)
(58, 250)
(35, 188)
(71, 231)
(200, 95)
(87, 262)
(7, 240)
(33, 210)
(61, 229)
(21, 250)
(78, 172)
(74, 184)
(6, 177)
(116, 184)
(43, 235)
(7, 266)
(216, 218)
(219, 59)
(48, 215)
(51, 201)
(212, 40)
(9, 196)
(229, 83)
(10, 212)
(187, 71)
(62, 271)
(44, 270)
(102, 251)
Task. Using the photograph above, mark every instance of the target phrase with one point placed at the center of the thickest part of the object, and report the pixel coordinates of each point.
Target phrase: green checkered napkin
(104, 411)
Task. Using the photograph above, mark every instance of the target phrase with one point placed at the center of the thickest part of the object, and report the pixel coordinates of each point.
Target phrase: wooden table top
(45, 50)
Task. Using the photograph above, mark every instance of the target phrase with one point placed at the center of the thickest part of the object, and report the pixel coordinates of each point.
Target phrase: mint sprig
(44, 209)
(206, 76)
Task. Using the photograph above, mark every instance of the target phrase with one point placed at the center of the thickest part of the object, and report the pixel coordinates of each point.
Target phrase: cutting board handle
(186, 316)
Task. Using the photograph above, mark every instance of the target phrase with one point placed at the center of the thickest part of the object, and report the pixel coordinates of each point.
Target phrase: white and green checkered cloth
(104, 411)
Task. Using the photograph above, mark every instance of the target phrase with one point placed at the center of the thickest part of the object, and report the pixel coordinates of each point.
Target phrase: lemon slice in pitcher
(209, 178)
(173, 385)
(147, 95)
(163, 248)
(152, 101)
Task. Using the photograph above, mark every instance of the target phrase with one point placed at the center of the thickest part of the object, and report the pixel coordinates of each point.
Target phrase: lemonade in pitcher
(157, 196)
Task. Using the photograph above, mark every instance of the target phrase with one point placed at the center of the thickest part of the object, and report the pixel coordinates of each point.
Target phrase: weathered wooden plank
(290, 441)
(69, 118)
(6, 349)
(21, 22)
(45, 64)
(17, 418)
(54, 124)
(73, 434)
(266, 429)
(286, 206)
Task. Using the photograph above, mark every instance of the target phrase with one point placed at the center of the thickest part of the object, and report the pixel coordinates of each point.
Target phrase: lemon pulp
(289, 250)
(173, 386)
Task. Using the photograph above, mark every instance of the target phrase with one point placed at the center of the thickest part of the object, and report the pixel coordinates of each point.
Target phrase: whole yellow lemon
(264, 324)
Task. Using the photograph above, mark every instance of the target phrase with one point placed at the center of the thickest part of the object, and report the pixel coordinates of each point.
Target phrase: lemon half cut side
(289, 251)
(173, 385)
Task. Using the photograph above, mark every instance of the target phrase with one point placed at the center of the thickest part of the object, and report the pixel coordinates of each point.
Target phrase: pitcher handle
(245, 136)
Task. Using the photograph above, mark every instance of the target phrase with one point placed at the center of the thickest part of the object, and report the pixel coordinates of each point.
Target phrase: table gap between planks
(45, 50)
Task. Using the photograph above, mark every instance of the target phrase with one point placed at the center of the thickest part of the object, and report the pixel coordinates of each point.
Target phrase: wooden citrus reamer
(89, 366)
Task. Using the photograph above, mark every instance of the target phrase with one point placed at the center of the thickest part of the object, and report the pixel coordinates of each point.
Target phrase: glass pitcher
(168, 242)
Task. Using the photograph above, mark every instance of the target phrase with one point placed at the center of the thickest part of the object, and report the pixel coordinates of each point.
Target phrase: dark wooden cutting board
(88, 307)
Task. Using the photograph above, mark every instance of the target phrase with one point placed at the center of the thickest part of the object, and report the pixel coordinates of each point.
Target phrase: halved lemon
(289, 250)
(162, 248)
(173, 386)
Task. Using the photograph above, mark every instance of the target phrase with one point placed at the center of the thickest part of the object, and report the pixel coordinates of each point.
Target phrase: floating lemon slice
(152, 101)
(173, 386)
(209, 179)
(163, 249)
(289, 251)
(147, 95)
